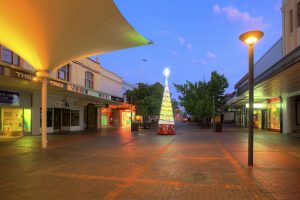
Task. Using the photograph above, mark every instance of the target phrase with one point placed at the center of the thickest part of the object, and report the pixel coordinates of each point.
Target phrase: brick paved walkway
(116, 164)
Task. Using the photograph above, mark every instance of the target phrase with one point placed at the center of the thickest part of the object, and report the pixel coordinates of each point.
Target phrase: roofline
(284, 63)
(104, 67)
(245, 77)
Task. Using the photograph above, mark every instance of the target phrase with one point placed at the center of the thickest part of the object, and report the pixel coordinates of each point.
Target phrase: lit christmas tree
(166, 118)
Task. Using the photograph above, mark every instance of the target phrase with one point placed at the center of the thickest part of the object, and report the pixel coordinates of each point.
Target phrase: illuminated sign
(258, 105)
(20, 74)
(75, 88)
(9, 98)
(56, 84)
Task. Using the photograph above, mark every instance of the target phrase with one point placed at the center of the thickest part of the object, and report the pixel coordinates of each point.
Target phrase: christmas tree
(166, 118)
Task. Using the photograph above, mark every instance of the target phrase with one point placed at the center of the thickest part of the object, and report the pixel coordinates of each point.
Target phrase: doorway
(264, 119)
(57, 119)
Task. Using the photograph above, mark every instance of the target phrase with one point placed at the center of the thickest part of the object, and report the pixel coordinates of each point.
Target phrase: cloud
(210, 55)
(189, 46)
(161, 33)
(174, 53)
(233, 14)
(181, 40)
(204, 62)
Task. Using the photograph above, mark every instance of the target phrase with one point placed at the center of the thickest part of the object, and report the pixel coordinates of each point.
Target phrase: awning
(51, 33)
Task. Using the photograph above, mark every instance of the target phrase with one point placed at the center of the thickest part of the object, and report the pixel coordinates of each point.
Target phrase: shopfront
(15, 120)
(116, 115)
(62, 119)
(259, 115)
(126, 117)
(105, 117)
(274, 114)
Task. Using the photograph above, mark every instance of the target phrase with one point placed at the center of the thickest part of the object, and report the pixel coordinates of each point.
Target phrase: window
(7, 55)
(298, 14)
(16, 59)
(89, 82)
(63, 73)
(74, 117)
(291, 21)
(49, 117)
(66, 117)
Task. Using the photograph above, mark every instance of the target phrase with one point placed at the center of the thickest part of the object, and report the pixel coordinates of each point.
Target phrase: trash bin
(134, 127)
(218, 127)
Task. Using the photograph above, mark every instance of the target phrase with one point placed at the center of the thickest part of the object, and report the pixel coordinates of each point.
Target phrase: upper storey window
(89, 80)
(7, 55)
(64, 73)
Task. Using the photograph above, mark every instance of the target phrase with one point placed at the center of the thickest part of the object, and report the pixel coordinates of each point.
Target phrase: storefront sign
(61, 104)
(56, 84)
(92, 93)
(104, 96)
(9, 98)
(75, 88)
(20, 74)
(117, 99)
(258, 105)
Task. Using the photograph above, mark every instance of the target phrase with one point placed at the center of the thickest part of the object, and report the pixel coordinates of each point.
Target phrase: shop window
(63, 73)
(74, 117)
(274, 116)
(89, 80)
(66, 117)
(7, 55)
(12, 121)
(49, 117)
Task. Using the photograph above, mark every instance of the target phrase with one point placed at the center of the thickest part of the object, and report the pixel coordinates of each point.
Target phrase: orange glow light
(251, 40)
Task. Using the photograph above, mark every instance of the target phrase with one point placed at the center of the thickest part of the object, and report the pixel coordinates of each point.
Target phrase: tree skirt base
(166, 129)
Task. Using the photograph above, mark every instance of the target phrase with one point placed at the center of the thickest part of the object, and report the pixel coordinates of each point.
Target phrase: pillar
(43, 75)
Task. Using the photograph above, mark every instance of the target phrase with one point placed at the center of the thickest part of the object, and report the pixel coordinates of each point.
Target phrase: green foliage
(197, 98)
(147, 98)
(175, 105)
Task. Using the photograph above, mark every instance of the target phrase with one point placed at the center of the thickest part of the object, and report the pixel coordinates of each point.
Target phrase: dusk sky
(193, 38)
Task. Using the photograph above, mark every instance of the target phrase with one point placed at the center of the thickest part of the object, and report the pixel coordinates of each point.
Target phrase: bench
(145, 125)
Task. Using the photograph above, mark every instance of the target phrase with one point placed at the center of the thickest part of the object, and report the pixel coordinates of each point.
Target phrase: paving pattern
(117, 164)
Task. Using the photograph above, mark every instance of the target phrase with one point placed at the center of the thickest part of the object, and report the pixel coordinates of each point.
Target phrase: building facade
(276, 79)
(81, 95)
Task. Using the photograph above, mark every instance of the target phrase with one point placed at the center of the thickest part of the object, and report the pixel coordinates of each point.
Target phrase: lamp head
(251, 37)
(167, 72)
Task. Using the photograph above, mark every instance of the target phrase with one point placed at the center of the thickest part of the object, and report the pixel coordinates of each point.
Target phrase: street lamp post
(251, 38)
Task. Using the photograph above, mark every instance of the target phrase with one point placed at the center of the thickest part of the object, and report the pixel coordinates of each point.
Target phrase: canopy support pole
(44, 113)
(43, 75)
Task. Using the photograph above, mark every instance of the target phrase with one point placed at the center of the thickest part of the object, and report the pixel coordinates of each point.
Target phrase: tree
(197, 98)
(147, 98)
(175, 105)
